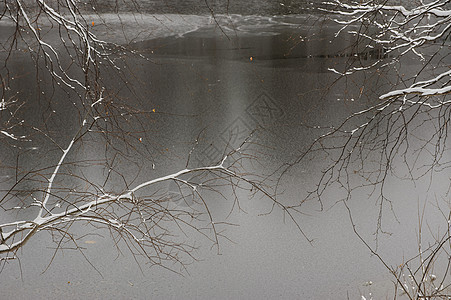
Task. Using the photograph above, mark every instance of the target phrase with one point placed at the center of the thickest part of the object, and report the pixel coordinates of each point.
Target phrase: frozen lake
(261, 69)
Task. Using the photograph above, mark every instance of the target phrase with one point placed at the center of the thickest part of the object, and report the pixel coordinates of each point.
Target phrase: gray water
(252, 7)
(203, 82)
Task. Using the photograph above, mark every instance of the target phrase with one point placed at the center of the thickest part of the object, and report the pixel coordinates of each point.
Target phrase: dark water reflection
(204, 83)
(251, 7)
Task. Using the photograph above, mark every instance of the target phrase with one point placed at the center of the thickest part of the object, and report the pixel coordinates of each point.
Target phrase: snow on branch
(422, 29)
(74, 32)
(140, 218)
(421, 89)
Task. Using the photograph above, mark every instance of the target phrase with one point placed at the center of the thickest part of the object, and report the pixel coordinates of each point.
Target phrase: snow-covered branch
(139, 216)
(422, 29)
(401, 129)
(83, 211)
